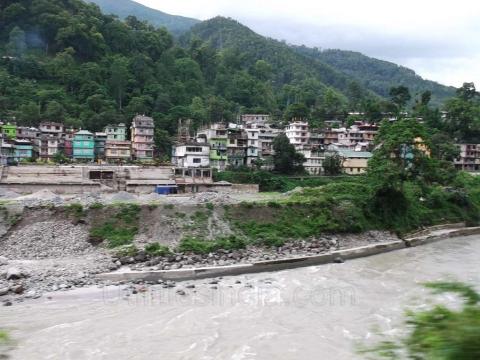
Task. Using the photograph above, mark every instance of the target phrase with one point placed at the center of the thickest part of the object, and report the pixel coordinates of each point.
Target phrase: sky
(439, 39)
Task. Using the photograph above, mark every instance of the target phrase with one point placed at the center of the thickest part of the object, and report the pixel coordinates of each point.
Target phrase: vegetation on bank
(118, 229)
(439, 333)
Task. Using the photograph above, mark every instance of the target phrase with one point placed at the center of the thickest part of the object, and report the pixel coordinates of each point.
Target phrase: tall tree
(286, 159)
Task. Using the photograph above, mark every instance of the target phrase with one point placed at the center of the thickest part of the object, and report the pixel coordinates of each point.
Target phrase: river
(320, 312)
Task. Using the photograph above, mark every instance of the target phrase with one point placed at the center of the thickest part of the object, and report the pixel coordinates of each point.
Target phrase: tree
(296, 111)
(286, 159)
(400, 96)
(333, 164)
(439, 333)
(17, 44)
(119, 77)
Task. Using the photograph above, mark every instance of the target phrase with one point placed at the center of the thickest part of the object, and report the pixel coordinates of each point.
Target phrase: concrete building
(100, 139)
(9, 131)
(118, 151)
(216, 136)
(469, 157)
(236, 146)
(142, 137)
(116, 132)
(52, 129)
(84, 146)
(68, 142)
(23, 150)
(48, 146)
(354, 162)
(191, 155)
(255, 118)
(298, 133)
(253, 145)
(314, 158)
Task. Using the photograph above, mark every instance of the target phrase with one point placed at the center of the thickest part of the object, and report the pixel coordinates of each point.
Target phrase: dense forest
(124, 8)
(63, 60)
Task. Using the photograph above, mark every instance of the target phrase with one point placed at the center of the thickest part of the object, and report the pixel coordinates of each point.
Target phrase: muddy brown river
(320, 312)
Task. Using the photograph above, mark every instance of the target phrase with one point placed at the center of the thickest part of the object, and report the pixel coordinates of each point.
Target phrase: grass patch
(168, 206)
(120, 229)
(76, 210)
(97, 205)
(155, 249)
(210, 206)
(126, 250)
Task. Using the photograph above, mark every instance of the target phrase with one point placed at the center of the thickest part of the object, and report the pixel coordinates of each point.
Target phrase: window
(197, 160)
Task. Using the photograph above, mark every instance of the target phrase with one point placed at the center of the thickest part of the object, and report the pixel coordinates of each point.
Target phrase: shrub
(76, 210)
(168, 206)
(97, 205)
(209, 206)
(202, 246)
(126, 250)
(155, 249)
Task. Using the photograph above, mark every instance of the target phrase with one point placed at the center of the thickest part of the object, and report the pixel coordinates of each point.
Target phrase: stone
(14, 274)
(181, 292)
(338, 260)
(4, 291)
(7, 303)
(190, 286)
(18, 289)
(3, 260)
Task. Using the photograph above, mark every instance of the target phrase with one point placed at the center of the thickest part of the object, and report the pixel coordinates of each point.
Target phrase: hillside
(123, 8)
(334, 68)
(377, 75)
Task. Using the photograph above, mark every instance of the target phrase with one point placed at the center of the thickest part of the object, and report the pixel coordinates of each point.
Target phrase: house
(216, 136)
(142, 137)
(314, 157)
(253, 144)
(6, 151)
(100, 139)
(84, 146)
(117, 151)
(236, 146)
(354, 162)
(52, 129)
(469, 157)
(48, 146)
(23, 150)
(68, 142)
(116, 132)
(298, 133)
(9, 131)
(191, 155)
(255, 118)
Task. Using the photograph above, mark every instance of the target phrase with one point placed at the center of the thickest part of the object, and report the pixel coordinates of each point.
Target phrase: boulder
(3, 260)
(4, 291)
(14, 274)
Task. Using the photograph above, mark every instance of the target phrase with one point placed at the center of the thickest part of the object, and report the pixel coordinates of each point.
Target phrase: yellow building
(354, 162)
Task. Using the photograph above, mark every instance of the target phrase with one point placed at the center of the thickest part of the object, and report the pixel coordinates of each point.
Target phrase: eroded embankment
(50, 248)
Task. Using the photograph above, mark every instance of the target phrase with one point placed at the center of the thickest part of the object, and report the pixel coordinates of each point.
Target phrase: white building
(298, 134)
(255, 118)
(191, 155)
(314, 158)
(252, 145)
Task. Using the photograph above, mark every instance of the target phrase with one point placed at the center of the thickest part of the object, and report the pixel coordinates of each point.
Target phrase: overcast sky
(439, 39)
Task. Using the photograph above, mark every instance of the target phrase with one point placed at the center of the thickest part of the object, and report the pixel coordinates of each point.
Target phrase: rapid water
(319, 312)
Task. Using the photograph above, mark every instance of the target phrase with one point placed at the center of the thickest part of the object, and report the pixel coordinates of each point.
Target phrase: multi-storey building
(236, 146)
(23, 150)
(469, 157)
(191, 155)
(100, 139)
(84, 146)
(68, 142)
(6, 151)
(314, 157)
(9, 130)
(52, 129)
(255, 118)
(216, 137)
(117, 151)
(116, 132)
(48, 146)
(142, 137)
(298, 133)
(253, 145)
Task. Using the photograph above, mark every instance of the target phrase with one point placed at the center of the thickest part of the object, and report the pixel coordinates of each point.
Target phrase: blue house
(83, 146)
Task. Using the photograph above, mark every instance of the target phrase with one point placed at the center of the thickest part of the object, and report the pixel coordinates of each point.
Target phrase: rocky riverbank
(57, 256)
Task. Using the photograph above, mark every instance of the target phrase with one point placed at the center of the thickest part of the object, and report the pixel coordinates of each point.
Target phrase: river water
(320, 312)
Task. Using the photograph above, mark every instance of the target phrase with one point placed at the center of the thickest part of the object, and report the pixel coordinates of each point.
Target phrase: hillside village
(220, 146)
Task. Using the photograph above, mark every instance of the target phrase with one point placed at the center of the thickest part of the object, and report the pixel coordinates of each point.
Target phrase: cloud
(438, 39)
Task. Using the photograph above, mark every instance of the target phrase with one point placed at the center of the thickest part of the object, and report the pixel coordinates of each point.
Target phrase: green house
(116, 132)
(23, 150)
(83, 145)
(9, 131)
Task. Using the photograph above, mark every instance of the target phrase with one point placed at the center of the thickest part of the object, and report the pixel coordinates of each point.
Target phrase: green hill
(377, 75)
(123, 8)
(294, 64)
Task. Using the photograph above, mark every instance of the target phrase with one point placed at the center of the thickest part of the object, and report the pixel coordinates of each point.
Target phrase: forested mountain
(377, 75)
(63, 60)
(123, 8)
(335, 68)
